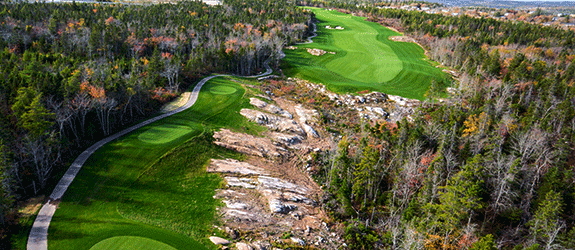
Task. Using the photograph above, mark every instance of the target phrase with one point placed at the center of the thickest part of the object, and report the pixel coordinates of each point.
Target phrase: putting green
(362, 58)
(152, 184)
(222, 90)
(164, 133)
(130, 243)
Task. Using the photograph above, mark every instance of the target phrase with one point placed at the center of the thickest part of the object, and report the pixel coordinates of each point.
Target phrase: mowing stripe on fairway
(364, 59)
(130, 187)
(92, 213)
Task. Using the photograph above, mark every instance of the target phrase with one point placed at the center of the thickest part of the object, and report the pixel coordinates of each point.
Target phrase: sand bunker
(402, 39)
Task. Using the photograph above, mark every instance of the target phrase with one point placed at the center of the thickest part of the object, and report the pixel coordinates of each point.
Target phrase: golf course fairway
(150, 187)
(362, 58)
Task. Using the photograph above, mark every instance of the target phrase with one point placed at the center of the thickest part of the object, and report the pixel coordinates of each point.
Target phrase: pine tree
(546, 223)
(31, 113)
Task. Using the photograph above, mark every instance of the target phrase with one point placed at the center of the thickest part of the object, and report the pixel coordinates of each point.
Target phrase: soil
(31, 206)
(175, 104)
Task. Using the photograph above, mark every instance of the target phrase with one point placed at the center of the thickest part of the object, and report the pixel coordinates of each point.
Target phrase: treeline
(491, 168)
(73, 73)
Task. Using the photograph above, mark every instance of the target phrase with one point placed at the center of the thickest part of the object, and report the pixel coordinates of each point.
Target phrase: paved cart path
(38, 239)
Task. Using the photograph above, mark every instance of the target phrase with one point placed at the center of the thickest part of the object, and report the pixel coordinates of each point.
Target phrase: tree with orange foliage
(103, 106)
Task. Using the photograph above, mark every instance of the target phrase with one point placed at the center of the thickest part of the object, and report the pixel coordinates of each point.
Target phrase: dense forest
(490, 167)
(73, 73)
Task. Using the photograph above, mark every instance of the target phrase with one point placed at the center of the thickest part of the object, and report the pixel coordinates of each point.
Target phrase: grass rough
(159, 192)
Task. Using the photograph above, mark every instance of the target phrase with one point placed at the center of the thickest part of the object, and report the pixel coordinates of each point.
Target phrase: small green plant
(286, 235)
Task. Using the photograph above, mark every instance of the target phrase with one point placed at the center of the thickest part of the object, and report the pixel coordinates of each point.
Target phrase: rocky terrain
(270, 200)
(373, 106)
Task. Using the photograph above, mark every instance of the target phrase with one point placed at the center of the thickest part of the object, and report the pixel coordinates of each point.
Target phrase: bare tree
(43, 154)
(502, 171)
(171, 72)
(536, 156)
(505, 93)
(104, 107)
(81, 105)
(412, 239)
(409, 178)
(552, 235)
(530, 143)
(62, 111)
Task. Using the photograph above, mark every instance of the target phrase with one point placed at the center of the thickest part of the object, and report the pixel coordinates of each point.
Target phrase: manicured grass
(130, 243)
(131, 187)
(222, 90)
(364, 58)
(164, 133)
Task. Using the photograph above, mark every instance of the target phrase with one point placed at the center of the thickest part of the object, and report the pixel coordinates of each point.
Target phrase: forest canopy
(72, 73)
(489, 167)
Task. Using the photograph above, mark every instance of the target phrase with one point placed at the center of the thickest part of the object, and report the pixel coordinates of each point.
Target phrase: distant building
(212, 2)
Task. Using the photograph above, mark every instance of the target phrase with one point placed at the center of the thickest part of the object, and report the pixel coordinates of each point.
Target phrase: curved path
(38, 238)
(312, 36)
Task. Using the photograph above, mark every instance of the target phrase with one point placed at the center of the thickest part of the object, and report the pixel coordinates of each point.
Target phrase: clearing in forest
(150, 187)
(363, 57)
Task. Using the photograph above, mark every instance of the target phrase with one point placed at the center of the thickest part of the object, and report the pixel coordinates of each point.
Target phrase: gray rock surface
(243, 246)
(219, 241)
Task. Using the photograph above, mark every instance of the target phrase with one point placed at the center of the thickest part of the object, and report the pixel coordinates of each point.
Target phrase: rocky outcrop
(307, 117)
(266, 196)
(270, 108)
(286, 140)
(247, 144)
(369, 106)
(402, 101)
(373, 106)
(273, 122)
(232, 166)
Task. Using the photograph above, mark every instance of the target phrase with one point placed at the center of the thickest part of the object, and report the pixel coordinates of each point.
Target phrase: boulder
(219, 241)
(298, 241)
(234, 234)
(258, 103)
(276, 206)
(243, 246)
